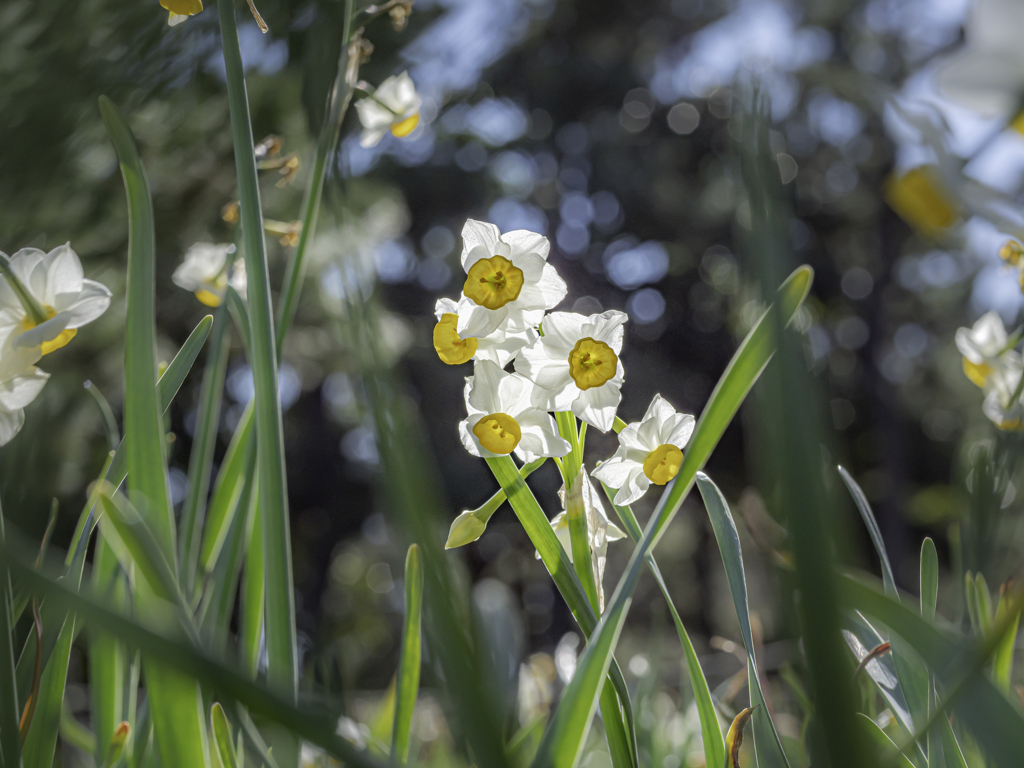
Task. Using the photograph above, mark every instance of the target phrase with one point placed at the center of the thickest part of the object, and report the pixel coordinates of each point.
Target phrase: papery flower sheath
(205, 272)
(650, 451)
(394, 106)
(509, 284)
(499, 347)
(600, 530)
(502, 418)
(48, 299)
(575, 365)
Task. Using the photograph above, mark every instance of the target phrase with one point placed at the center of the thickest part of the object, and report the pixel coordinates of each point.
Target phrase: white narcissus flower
(394, 106)
(600, 530)
(62, 297)
(650, 451)
(205, 272)
(502, 418)
(987, 74)
(20, 383)
(982, 346)
(1000, 406)
(576, 365)
(499, 347)
(509, 283)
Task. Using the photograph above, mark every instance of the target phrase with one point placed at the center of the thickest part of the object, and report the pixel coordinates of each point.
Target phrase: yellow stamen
(921, 200)
(1012, 252)
(403, 128)
(183, 7)
(498, 433)
(452, 348)
(53, 344)
(591, 363)
(662, 464)
(493, 282)
(1011, 425)
(978, 373)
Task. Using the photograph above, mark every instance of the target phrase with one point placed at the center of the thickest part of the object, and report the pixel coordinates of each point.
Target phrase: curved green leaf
(767, 744)
(889, 751)
(710, 728)
(568, 728)
(223, 741)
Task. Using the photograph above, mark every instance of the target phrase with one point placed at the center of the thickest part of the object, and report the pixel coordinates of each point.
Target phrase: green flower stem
(576, 513)
(484, 511)
(282, 662)
(32, 307)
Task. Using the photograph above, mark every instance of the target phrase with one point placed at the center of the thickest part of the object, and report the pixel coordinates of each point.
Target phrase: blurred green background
(604, 125)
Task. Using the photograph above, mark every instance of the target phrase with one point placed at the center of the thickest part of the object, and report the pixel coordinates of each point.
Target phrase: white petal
(25, 265)
(371, 137)
(19, 391)
(540, 436)
(519, 320)
(478, 233)
(552, 286)
(11, 423)
(476, 321)
(63, 273)
(607, 327)
(681, 430)
(636, 485)
(372, 115)
(501, 347)
(615, 471)
(525, 241)
(484, 393)
(561, 332)
(986, 82)
(445, 307)
(597, 405)
(91, 302)
(535, 363)
(532, 266)
(466, 436)
(48, 331)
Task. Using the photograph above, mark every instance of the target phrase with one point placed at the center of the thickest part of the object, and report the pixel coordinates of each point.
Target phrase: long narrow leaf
(408, 681)
(200, 465)
(223, 740)
(318, 726)
(710, 728)
(767, 744)
(42, 735)
(957, 665)
(107, 663)
(886, 746)
(178, 719)
(10, 739)
(567, 730)
(282, 659)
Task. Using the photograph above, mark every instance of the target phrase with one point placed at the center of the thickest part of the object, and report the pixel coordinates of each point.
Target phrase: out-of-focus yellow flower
(922, 201)
(1012, 253)
(179, 10)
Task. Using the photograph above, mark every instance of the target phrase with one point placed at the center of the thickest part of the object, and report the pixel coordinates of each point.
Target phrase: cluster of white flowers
(991, 362)
(44, 300)
(562, 362)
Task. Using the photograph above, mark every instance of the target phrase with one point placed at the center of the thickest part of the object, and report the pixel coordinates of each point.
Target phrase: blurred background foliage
(604, 125)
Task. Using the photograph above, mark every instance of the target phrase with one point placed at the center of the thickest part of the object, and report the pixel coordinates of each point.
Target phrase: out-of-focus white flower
(987, 74)
(650, 451)
(1002, 404)
(205, 272)
(47, 299)
(982, 347)
(576, 365)
(20, 383)
(179, 10)
(600, 530)
(509, 284)
(394, 106)
(503, 419)
(499, 347)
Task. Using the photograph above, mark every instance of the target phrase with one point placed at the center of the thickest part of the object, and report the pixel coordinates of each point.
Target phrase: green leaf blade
(408, 681)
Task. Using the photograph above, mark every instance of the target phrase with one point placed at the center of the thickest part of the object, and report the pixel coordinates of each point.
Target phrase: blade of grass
(767, 744)
(958, 665)
(316, 725)
(890, 752)
(109, 422)
(710, 728)
(1002, 667)
(912, 678)
(568, 727)
(107, 663)
(253, 591)
(282, 659)
(204, 442)
(10, 714)
(41, 740)
(223, 740)
(408, 681)
(175, 705)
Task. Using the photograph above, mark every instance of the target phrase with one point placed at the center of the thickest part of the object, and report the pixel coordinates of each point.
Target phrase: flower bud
(466, 528)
